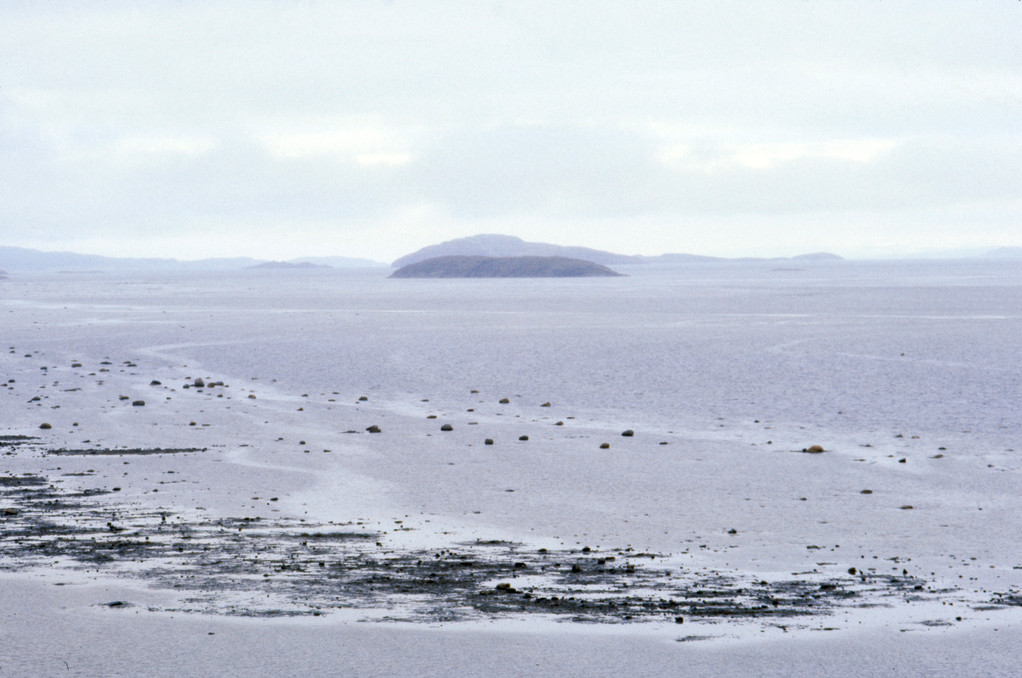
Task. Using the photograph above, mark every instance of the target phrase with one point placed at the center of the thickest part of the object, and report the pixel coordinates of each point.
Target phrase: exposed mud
(272, 567)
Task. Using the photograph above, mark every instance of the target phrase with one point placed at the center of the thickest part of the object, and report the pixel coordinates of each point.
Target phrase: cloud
(399, 121)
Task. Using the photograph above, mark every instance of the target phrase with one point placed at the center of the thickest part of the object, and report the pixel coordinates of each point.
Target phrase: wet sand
(167, 496)
(70, 630)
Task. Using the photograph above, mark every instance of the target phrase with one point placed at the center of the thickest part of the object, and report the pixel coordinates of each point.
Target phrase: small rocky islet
(465, 266)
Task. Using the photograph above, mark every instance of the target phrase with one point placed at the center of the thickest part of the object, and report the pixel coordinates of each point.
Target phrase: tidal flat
(709, 460)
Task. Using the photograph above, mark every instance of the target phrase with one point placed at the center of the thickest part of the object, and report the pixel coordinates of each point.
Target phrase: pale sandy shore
(56, 631)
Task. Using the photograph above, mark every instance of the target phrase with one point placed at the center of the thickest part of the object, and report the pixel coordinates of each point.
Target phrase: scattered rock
(814, 449)
(504, 401)
(446, 427)
(374, 429)
(523, 437)
(199, 383)
(155, 382)
(547, 404)
(363, 398)
(44, 426)
(866, 492)
(488, 441)
(138, 403)
(604, 446)
(628, 433)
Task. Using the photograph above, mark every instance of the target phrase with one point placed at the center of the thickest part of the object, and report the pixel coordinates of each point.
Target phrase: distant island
(287, 265)
(490, 245)
(461, 266)
(17, 259)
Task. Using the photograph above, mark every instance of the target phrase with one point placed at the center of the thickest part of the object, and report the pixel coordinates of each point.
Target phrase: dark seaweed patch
(119, 452)
(284, 567)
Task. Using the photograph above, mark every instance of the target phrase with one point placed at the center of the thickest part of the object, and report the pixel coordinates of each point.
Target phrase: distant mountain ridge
(492, 245)
(1005, 253)
(461, 266)
(15, 259)
(288, 265)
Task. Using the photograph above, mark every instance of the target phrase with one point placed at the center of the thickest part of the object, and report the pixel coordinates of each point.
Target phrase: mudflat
(539, 479)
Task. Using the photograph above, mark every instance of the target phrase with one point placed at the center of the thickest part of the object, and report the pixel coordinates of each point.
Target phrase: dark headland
(461, 266)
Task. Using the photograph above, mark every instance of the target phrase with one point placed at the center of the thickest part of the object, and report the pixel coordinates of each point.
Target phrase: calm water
(912, 346)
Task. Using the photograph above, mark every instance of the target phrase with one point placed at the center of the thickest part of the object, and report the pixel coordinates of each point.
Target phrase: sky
(366, 128)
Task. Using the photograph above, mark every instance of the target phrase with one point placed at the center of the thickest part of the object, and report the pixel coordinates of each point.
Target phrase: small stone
(199, 383)
(732, 531)
(488, 441)
(852, 571)
(814, 449)
(44, 426)
(363, 398)
(902, 461)
(138, 403)
(504, 401)
(907, 507)
(628, 433)
(523, 437)
(374, 429)
(251, 396)
(446, 427)
(866, 492)
(604, 446)
(547, 404)
(155, 382)
(679, 620)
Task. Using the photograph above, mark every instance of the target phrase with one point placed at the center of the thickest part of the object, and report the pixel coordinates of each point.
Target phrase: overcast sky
(370, 129)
